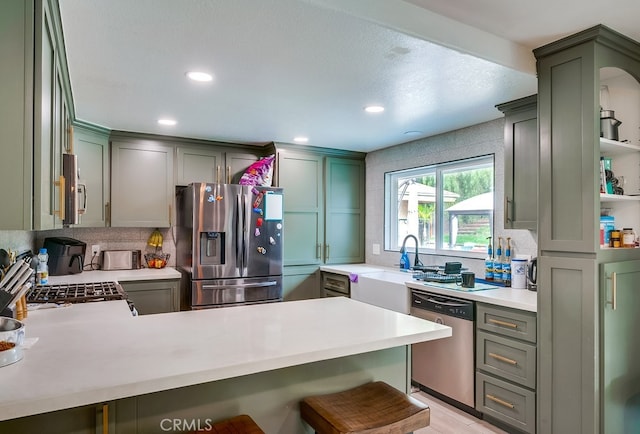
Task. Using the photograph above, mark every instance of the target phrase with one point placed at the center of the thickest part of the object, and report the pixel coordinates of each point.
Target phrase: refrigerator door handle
(239, 234)
(246, 203)
(248, 285)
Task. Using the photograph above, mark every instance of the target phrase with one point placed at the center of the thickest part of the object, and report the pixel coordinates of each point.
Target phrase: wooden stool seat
(373, 408)
(242, 424)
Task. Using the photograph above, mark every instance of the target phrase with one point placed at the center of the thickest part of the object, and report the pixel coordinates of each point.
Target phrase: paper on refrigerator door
(273, 207)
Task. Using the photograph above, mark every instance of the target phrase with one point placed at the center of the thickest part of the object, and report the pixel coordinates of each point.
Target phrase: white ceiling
(286, 68)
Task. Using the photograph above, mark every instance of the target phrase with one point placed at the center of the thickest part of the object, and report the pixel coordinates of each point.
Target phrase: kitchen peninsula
(130, 373)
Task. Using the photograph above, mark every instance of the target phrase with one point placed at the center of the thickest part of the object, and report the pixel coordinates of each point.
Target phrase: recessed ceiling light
(199, 76)
(374, 109)
(301, 139)
(168, 122)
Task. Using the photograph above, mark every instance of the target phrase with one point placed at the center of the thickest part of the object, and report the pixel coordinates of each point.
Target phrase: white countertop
(522, 299)
(116, 276)
(347, 269)
(508, 297)
(95, 352)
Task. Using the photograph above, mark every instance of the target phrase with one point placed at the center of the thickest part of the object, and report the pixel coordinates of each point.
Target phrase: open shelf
(612, 147)
(618, 198)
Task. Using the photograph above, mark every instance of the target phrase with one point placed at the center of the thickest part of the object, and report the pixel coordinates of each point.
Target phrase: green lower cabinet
(154, 296)
(620, 304)
(300, 283)
(88, 419)
(506, 402)
(506, 367)
(271, 398)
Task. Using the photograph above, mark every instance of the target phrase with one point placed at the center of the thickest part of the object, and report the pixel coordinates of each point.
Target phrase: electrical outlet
(95, 250)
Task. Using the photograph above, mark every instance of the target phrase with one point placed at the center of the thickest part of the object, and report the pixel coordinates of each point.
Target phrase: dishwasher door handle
(445, 303)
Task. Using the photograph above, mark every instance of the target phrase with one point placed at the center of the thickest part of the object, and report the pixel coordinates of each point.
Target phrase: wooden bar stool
(373, 408)
(242, 424)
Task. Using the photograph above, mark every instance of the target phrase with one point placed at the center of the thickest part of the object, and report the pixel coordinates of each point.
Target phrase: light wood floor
(446, 419)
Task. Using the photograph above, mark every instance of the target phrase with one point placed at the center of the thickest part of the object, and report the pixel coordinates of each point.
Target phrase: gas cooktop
(76, 293)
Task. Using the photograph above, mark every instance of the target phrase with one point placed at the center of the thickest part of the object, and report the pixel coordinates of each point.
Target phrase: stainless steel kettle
(609, 125)
(532, 275)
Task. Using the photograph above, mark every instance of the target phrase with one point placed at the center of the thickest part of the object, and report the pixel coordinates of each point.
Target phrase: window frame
(438, 170)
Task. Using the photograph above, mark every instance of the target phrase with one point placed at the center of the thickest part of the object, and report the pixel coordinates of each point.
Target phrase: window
(447, 206)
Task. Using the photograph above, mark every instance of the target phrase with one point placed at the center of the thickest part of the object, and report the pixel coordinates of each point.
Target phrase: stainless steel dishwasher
(446, 367)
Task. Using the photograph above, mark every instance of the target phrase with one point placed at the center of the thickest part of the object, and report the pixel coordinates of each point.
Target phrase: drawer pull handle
(503, 323)
(503, 358)
(500, 401)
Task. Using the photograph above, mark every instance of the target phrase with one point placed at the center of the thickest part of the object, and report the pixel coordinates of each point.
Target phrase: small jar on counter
(614, 238)
(628, 237)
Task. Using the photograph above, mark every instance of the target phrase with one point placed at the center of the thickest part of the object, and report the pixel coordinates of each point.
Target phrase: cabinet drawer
(513, 323)
(506, 358)
(506, 402)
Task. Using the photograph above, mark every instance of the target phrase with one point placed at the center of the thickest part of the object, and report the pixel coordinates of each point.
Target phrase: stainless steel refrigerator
(229, 244)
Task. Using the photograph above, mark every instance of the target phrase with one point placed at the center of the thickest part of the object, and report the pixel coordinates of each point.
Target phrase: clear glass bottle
(42, 271)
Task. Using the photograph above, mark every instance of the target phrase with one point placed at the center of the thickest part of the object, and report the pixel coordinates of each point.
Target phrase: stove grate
(76, 293)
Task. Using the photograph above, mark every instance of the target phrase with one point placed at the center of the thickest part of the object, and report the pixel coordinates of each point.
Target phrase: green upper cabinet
(344, 212)
(16, 119)
(212, 163)
(324, 207)
(36, 115)
(91, 145)
(236, 164)
(520, 163)
(571, 76)
(142, 185)
(52, 119)
(198, 164)
(301, 176)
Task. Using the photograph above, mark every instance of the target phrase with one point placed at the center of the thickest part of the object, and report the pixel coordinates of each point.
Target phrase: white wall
(481, 139)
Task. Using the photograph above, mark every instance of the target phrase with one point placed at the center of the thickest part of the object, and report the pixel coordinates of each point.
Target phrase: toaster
(121, 259)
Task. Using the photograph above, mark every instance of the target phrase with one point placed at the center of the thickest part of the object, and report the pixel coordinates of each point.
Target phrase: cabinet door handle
(105, 418)
(326, 252)
(318, 250)
(218, 175)
(60, 183)
(507, 220)
(83, 188)
(228, 174)
(499, 401)
(170, 215)
(503, 323)
(614, 290)
(503, 359)
(70, 139)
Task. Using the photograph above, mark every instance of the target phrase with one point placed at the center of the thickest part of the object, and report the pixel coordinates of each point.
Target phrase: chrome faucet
(416, 261)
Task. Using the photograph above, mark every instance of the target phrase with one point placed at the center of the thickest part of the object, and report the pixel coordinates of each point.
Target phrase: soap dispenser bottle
(497, 263)
(488, 262)
(506, 264)
(404, 260)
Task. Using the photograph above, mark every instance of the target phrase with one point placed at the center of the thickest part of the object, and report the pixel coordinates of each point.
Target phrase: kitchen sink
(384, 289)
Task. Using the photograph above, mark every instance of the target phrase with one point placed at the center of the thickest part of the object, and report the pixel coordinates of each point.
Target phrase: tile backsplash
(18, 241)
(113, 239)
